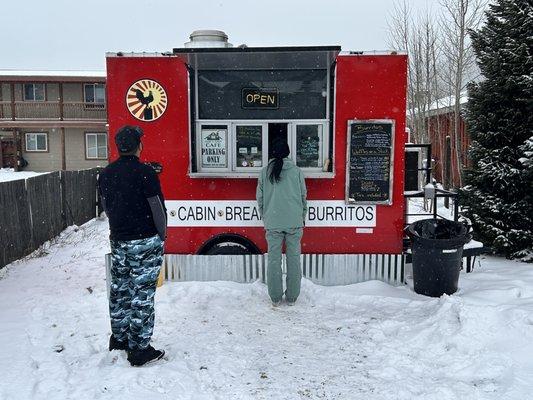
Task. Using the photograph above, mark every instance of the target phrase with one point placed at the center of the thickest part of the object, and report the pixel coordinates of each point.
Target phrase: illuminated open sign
(254, 98)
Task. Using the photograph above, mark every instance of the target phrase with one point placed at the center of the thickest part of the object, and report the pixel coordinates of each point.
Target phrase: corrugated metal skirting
(322, 269)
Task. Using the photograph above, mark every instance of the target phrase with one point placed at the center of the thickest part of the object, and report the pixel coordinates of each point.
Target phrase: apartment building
(53, 120)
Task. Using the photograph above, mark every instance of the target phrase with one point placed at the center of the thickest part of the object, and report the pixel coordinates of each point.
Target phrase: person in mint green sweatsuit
(282, 199)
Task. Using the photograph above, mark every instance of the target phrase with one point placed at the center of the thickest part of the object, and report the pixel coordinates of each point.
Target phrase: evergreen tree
(498, 195)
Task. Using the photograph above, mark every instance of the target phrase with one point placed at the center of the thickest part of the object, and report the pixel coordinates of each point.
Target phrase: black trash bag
(437, 247)
(439, 233)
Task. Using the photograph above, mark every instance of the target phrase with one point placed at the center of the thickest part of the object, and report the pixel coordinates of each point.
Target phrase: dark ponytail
(280, 150)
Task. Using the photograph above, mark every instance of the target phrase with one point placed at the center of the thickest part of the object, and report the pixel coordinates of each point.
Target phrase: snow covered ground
(225, 341)
(8, 174)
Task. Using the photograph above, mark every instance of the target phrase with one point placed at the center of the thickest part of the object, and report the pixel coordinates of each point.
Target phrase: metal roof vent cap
(208, 38)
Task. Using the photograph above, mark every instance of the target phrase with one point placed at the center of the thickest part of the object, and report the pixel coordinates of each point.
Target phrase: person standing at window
(132, 199)
(282, 198)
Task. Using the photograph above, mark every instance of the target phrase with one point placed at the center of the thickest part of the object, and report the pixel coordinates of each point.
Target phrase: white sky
(75, 34)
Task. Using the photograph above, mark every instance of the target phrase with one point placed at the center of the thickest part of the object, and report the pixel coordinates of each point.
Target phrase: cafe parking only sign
(209, 213)
(214, 148)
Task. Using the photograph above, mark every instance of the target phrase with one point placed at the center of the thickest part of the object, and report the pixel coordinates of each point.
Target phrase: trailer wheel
(228, 244)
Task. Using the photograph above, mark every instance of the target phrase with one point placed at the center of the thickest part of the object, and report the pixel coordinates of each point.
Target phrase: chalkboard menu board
(369, 162)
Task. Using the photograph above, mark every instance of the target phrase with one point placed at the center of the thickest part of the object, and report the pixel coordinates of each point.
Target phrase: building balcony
(52, 111)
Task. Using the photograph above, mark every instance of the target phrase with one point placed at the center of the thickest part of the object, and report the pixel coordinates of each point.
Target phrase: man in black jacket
(132, 199)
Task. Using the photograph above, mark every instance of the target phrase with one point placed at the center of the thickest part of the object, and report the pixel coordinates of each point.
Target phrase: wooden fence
(37, 209)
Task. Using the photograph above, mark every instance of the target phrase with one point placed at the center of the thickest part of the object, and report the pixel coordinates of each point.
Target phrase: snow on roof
(448, 101)
(443, 104)
(52, 73)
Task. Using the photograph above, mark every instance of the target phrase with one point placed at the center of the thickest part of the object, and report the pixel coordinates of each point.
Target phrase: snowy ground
(224, 341)
(8, 174)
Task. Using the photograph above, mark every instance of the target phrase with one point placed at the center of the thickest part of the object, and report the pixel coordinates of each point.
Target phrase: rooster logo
(146, 99)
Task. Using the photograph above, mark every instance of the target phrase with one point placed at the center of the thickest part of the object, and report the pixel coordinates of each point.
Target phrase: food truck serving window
(242, 100)
(244, 146)
(240, 113)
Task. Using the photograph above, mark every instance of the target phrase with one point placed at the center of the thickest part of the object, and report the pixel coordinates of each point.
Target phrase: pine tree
(498, 195)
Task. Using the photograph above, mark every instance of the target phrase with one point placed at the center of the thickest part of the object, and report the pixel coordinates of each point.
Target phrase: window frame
(27, 135)
(87, 134)
(33, 84)
(94, 103)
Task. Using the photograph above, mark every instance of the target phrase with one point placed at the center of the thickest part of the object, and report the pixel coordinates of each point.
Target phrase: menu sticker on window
(214, 142)
(249, 145)
(308, 145)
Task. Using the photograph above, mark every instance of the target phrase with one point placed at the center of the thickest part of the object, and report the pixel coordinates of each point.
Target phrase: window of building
(36, 142)
(34, 91)
(96, 145)
(94, 94)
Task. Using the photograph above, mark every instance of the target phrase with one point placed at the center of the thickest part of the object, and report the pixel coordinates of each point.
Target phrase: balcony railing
(51, 110)
(6, 110)
(92, 111)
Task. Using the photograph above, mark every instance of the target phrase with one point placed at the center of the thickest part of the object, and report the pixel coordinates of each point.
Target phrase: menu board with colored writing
(369, 166)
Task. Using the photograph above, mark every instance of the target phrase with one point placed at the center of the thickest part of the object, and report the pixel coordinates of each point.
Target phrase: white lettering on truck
(242, 213)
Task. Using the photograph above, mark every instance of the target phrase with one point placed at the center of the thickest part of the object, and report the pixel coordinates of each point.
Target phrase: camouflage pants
(134, 272)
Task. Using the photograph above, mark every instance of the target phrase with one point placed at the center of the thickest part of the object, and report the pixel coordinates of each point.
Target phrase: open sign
(260, 98)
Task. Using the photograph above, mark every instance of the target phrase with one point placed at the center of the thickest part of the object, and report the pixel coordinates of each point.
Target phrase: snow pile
(225, 341)
(8, 174)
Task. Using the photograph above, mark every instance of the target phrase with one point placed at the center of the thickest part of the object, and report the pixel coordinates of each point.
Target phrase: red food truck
(209, 113)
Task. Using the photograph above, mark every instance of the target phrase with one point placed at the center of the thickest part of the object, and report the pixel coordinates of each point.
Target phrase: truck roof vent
(208, 38)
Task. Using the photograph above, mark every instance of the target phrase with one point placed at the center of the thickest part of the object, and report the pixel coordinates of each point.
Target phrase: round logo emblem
(147, 100)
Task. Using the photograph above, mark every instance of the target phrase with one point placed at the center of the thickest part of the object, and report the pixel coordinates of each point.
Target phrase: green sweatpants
(292, 238)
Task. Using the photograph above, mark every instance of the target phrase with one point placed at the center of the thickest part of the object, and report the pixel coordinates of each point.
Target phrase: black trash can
(437, 248)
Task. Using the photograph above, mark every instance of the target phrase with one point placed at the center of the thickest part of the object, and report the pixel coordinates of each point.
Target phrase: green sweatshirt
(283, 204)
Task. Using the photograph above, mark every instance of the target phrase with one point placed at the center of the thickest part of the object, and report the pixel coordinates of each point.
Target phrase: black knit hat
(128, 138)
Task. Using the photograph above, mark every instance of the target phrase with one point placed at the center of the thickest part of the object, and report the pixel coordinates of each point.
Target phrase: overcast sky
(75, 34)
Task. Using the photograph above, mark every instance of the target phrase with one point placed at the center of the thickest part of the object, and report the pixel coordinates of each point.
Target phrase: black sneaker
(144, 356)
(115, 344)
